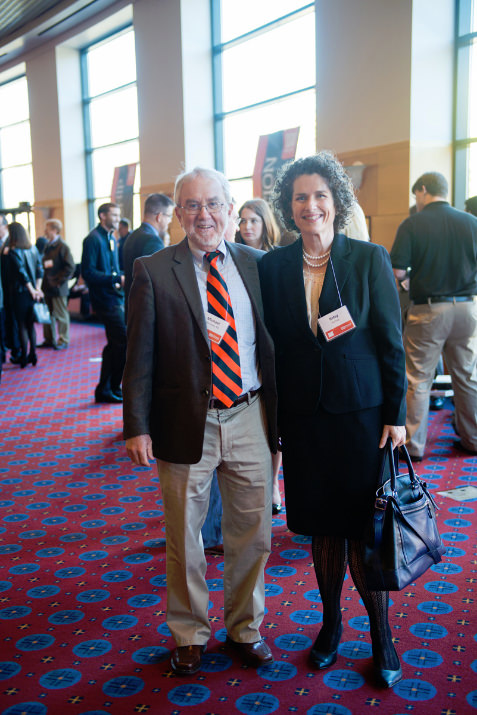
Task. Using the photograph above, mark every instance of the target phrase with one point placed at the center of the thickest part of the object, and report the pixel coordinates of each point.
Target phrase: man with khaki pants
(199, 394)
(439, 245)
(59, 267)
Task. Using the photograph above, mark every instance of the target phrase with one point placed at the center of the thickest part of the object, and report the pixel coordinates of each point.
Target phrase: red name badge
(336, 323)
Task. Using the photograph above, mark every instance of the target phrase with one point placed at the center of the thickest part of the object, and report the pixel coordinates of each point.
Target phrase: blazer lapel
(294, 286)
(183, 267)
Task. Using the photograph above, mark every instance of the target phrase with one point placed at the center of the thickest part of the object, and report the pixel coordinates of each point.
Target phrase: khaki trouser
(432, 329)
(58, 307)
(235, 444)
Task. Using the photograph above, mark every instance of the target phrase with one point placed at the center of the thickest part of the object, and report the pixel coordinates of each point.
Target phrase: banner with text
(123, 189)
(273, 151)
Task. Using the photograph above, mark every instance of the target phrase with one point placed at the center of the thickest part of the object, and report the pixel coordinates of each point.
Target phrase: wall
(384, 97)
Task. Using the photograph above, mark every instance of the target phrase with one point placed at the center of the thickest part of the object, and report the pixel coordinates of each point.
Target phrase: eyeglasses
(193, 207)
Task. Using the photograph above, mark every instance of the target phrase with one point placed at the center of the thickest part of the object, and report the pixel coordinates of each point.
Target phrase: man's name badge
(216, 328)
(337, 323)
(112, 243)
(48, 263)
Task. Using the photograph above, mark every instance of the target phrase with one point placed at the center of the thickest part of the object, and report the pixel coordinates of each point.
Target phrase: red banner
(273, 151)
(123, 189)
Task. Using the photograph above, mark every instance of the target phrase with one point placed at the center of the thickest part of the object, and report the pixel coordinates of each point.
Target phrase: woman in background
(26, 274)
(258, 228)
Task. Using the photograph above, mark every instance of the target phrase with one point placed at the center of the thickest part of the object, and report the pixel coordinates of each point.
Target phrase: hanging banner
(273, 151)
(123, 188)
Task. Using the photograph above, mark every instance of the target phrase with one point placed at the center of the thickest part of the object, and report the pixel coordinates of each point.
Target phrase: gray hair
(55, 224)
(207, 174)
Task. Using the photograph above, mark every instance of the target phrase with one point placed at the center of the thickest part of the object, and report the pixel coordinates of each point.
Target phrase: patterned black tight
(331, 554)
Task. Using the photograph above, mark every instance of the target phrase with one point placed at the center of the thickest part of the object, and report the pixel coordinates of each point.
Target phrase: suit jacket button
(205, 392)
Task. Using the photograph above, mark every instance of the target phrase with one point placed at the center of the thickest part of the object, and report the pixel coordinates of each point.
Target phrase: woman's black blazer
(361, 369)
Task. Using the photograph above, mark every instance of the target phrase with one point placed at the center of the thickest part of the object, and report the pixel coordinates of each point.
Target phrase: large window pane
(242, 190)
(466, 125)
(275, 63)
(105, 160)
(467, 16)
(242, 130)
(15, 145)
(14, 102)
(113, 117)
(17, 185)
(111, 64)
(239, 18)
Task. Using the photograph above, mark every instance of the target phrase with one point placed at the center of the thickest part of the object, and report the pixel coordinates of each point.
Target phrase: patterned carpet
(83, 586)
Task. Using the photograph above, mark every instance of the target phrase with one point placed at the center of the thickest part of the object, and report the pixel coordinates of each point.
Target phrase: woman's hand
(397, 434)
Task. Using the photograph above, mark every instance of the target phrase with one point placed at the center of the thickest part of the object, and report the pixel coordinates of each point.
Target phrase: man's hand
(139, 449)
(397, 434)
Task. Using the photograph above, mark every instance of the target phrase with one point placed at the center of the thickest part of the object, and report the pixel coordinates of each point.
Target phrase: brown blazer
(167, 378)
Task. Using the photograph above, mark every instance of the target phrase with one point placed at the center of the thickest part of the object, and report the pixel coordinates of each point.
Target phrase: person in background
(439, 245)
(124, 231)
(199, 395)
(3, 339)
(100, 271)
(11, 340)
(357, 226)
(59, 267)
(258, 228)
(148, 238)
(471, 206)
(332, 309)
(26, 274)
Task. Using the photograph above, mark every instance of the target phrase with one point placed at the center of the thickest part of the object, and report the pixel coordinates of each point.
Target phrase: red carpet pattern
(83, 585)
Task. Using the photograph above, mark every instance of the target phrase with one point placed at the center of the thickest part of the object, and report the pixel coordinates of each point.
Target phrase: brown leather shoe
(186, 659)
(253, 654)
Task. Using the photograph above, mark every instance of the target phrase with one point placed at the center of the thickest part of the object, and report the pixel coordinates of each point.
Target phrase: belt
(215, 404)
(444, 299)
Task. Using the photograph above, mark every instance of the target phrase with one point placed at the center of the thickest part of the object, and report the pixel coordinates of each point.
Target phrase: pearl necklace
(316, 258)
(315, 265)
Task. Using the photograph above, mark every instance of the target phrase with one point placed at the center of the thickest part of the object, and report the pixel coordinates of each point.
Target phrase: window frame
(218, 47)
(461, 145)
(22, 75)
(86, 100)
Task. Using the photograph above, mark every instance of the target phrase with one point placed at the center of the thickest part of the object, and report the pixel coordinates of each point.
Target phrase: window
(465, 132)
(16, 173)
(264, 81)
(108, 70)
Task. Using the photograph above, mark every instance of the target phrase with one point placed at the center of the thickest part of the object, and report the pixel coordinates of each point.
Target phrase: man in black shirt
(100, 270)
(439, 245)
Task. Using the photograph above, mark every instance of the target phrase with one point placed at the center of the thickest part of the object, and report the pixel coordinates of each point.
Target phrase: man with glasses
(199, 394)
(148, 238)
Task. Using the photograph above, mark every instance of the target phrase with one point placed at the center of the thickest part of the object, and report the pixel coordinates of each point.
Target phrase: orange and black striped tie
(226, 372)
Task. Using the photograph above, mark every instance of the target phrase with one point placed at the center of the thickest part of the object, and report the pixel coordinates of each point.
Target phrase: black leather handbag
(402, 541)
(41, 313)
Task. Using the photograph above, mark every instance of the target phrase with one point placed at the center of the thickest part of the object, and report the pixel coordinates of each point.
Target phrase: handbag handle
(393, 457)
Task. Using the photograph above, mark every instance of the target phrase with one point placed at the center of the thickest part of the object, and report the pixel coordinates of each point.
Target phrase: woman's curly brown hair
(326, 165)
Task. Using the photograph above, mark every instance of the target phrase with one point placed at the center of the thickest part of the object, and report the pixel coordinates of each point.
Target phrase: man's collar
(198, 254)
(151, 226)
(440, 202)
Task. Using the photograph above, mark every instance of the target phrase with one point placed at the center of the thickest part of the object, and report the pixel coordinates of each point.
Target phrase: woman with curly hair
(332, 308)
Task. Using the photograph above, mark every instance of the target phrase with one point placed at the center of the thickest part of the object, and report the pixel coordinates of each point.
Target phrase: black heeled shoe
(387, 678)
(276, 509)
(32, 358)
(322, 660)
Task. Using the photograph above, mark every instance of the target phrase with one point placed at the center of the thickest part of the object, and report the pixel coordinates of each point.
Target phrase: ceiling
(25, 25)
